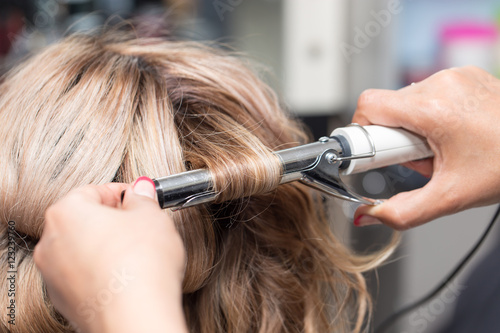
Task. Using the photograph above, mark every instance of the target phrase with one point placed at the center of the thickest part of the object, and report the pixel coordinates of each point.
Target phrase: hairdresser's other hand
(458, 111)
(112, 269)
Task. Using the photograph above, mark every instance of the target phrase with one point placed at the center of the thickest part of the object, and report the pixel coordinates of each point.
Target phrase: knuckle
(38, 255)
(473, 69)
(394, 218)
(54, 213)
(438, 105)
(449, 76)
(397, 223)
(51, 213)
(366, 98)
(366, 102)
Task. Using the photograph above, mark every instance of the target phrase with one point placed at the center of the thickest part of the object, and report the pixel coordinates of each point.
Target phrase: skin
(457, 111)
(136, 241)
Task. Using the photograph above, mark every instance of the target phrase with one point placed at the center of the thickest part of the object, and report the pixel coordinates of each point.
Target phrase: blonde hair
(109, 107)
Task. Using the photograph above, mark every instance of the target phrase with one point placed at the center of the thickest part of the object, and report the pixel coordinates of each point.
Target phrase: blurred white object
(315, 70)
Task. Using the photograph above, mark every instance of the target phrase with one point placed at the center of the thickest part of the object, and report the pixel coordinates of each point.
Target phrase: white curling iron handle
(391, 146)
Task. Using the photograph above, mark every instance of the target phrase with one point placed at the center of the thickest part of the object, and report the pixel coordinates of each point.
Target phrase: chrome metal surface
(316, 164)
(185, 189)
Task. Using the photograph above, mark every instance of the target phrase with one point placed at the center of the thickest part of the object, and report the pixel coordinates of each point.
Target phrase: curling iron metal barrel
(348, 150)
(196, 187)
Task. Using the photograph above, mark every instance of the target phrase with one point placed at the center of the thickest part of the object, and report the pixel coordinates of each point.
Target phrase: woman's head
(96, 109)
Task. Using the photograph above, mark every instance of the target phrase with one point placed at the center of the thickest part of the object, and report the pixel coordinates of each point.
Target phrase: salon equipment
(348, 150)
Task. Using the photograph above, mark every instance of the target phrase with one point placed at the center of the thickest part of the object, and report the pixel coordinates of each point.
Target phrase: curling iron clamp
(348, 150)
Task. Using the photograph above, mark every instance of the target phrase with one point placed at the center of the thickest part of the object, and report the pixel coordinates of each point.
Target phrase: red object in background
(10, 26)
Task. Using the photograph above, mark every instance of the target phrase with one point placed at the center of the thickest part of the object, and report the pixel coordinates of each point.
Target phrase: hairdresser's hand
(112, 269)
(458, 111)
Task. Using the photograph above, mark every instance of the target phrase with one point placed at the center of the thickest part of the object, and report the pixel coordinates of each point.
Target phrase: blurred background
(320, 55)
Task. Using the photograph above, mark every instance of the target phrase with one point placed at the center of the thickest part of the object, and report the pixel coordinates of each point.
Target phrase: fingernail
(364, 220)
(145, 186)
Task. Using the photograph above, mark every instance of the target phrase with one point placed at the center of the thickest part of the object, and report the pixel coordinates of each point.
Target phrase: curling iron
(348, 150)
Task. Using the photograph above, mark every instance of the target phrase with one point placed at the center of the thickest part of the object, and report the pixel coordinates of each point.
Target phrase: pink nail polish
(141, 187)
(356, 220)
(146, 179)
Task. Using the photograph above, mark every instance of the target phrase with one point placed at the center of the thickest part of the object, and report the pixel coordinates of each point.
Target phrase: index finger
(106, 194)
(388, 108)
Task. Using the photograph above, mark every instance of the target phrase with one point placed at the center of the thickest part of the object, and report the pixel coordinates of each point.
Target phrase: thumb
(405, 210)
(141, 195)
